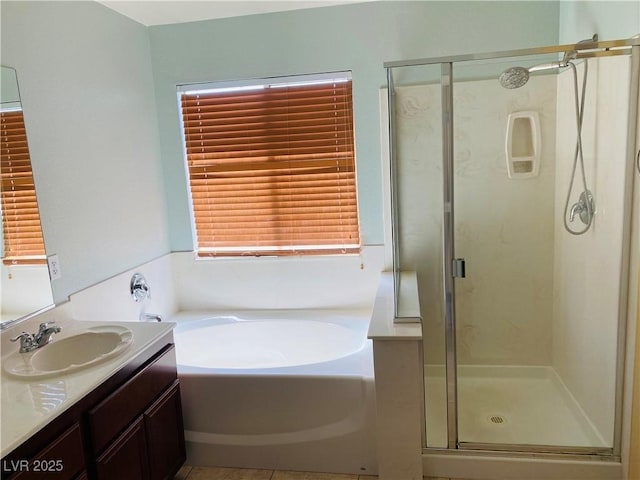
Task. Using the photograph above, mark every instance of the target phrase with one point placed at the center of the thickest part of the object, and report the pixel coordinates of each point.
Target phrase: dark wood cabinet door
(61, 460)
(129, 401)
(165, 435)
(126, 457)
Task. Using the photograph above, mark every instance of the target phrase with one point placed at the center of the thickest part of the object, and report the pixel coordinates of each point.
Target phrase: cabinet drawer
(61, 460)
(120, 408)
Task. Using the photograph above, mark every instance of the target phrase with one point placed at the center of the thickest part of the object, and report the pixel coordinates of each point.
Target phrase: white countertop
(384, 325)
(29, 405)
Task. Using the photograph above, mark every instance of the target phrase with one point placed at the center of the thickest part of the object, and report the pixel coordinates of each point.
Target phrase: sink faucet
(30, 342)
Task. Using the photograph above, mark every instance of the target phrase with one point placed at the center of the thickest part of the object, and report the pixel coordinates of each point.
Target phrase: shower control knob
(139, 288)
(581, 208)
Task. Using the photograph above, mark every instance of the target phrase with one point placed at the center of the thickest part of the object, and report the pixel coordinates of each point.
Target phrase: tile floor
(219, 473)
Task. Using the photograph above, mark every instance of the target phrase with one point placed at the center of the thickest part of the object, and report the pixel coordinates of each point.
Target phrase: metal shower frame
(583, 50)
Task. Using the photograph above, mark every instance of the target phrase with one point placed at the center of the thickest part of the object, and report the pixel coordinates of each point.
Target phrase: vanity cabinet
(151, 448)
(149, 403)
(130, 427)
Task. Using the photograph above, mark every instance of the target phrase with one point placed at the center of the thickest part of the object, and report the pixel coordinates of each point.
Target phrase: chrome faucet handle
(139, 288)
(585, 208)
(45, 325)
(26, 342)
(576, 208)
(45, 334)
(23, 336)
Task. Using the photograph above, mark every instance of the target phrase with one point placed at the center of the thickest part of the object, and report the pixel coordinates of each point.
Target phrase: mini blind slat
(226, 142)
(22, 231)
(24, 225)
(220, 179)
(260, 166)
(334, 93)
(258, 184)
(195, 110)
(266, 196)
(275, 155)
(304, 123)
(257, 209)
(282, 238)
(264, 224)
(301, 202)
(18, 151)
(272, 169)
(17, 166)
(25, 201)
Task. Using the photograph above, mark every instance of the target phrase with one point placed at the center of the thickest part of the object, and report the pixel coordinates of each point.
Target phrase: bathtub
(278, 389)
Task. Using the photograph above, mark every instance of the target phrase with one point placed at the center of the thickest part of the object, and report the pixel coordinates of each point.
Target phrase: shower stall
(512, 178)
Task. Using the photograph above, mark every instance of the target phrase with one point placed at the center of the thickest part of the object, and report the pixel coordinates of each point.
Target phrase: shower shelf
(523, 145)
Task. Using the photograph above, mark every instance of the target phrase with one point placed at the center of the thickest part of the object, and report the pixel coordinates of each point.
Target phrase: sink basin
(72, 353)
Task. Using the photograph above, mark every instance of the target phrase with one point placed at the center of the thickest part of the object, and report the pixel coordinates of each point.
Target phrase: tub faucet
(146, 317)
(30, 342)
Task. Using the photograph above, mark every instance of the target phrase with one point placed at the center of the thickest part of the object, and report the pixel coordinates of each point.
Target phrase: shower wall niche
(537, 312)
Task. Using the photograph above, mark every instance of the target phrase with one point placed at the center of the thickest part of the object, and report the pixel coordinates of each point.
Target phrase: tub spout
(148, 317)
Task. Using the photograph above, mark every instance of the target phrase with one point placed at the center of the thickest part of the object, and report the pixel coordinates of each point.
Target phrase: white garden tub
(285, 389)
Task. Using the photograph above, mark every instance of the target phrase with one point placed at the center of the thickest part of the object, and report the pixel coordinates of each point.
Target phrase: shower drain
(497, 419)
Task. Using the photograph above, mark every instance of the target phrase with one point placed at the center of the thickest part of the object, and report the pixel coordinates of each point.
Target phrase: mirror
(24, 281)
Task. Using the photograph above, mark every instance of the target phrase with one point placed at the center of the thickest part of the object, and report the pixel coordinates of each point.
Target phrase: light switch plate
(54, 267)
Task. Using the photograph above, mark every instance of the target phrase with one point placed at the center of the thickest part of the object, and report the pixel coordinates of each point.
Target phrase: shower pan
(523, 279)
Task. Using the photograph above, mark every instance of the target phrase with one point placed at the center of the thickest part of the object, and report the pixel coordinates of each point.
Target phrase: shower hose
(578, 156)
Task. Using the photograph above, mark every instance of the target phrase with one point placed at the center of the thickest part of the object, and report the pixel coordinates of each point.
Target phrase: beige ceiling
(161, 12)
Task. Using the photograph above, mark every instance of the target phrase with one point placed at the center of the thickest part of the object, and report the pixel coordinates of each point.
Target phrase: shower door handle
(458, 268)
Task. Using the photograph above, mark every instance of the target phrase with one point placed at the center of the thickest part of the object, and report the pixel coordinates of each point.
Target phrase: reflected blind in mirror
(272, 168)
(22, 233)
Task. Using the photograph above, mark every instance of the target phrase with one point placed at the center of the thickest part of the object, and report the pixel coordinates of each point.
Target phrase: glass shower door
(535, 312)
(416, 118)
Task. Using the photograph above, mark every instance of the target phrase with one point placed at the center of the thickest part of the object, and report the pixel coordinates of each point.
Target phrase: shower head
(514, 77)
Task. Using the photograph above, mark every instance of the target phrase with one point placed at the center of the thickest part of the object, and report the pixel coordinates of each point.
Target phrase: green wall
(356, 37)
(611, 20)
(84, 73)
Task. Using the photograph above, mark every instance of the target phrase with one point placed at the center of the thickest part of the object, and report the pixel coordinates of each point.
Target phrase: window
(22, 233)
(272, 166)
